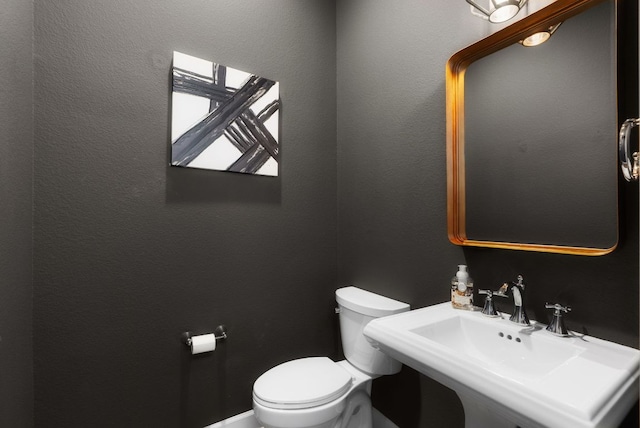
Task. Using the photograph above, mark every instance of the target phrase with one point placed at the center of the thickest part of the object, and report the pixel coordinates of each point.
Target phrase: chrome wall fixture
(497, 10)
(540, 37)
(204, 342)
(629, 164)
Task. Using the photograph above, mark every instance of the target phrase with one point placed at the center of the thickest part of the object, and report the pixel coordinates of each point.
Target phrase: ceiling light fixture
(540, 37)
(498, 10)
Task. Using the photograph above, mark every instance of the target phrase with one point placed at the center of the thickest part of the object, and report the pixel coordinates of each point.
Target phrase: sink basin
(508, 375)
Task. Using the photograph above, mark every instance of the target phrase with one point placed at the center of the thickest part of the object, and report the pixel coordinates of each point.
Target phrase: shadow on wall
(633, 418)
(190, 185)
(408, 409)
(199, 385)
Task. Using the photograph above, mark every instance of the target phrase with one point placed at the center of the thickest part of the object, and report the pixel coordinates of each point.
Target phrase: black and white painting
(223, 119)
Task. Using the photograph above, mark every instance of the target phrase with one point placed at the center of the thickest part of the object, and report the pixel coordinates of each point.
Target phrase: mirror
(531, 135)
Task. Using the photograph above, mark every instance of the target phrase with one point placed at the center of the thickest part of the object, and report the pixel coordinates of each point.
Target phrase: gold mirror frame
(556, 12)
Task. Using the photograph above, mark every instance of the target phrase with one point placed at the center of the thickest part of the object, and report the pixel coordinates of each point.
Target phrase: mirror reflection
(538, 141)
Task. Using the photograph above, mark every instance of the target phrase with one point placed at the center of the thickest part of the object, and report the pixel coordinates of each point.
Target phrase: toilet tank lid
(367, 303)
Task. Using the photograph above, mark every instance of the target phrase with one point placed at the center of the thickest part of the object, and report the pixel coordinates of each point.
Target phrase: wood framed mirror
(531, 135)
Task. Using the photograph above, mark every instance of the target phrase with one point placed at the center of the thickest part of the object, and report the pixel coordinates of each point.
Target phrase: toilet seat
(301, 384)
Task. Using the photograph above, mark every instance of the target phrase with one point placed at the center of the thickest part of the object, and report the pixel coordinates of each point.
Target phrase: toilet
(316, 392)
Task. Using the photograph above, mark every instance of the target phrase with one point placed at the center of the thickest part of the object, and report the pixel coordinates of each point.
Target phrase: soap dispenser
(462, 289)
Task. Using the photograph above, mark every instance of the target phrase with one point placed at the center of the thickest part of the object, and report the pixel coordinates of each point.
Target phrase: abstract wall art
(223, 119)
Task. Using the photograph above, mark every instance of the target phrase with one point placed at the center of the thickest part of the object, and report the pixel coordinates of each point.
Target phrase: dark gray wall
(392, 173)
(130, 252)
(392, 195)
(16, 206)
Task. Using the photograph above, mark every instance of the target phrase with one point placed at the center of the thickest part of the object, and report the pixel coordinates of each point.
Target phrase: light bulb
(536, 39)
(504, 13)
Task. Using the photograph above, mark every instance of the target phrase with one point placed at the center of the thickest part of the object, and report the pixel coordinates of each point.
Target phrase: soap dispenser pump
(462, 289)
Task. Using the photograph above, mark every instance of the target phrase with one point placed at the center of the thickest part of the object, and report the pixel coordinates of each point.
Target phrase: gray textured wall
(130, 252)
(392, 172)
(16, 206)
(392, 194)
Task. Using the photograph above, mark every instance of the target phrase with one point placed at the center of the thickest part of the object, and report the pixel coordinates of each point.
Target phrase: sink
(508, 375)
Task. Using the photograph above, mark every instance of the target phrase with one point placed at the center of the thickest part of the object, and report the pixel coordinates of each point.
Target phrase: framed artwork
(223, 119)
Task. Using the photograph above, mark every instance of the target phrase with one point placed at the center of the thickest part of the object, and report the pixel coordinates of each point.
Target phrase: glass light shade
(540, 37)
(504, 13)
(536, 39)
(497, 10)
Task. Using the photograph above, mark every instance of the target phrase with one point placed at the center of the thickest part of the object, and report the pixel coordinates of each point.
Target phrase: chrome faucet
(489, 309)
(556, 326)
(516, 290)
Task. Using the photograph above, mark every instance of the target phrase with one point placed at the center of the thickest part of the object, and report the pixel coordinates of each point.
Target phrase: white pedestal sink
(508, 375)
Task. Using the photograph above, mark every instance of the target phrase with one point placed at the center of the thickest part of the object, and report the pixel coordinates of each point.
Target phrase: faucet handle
(557, 308)
(507, 285)
(502, 291)
(490, 293)
(556, 326)
(488, 308)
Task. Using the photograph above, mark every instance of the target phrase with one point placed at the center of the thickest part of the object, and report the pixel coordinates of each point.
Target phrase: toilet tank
(357, 308)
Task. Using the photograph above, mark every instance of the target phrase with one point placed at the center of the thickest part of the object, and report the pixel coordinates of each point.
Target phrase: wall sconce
(498, 11)
(540, 37)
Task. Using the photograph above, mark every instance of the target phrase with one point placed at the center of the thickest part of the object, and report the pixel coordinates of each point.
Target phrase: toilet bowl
(316, 392)
(312, 392)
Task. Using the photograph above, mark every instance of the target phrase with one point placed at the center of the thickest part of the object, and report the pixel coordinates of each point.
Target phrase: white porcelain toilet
(316, 392)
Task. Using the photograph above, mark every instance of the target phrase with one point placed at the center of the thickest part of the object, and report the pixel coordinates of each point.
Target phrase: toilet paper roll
(203, 343)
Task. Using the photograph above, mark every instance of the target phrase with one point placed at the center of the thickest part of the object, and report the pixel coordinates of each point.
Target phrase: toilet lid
(300, 384)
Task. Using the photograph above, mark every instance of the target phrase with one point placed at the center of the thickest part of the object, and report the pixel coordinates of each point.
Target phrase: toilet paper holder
(220, 332)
